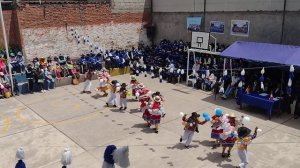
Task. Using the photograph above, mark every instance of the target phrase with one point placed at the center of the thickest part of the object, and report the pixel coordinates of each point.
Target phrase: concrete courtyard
(45, 123)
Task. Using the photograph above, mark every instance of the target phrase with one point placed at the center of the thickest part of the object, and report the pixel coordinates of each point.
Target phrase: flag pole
(6, 48)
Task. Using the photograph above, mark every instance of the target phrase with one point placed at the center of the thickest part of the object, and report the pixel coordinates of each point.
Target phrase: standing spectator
(30, 74)
(39, 78)
(16, 87)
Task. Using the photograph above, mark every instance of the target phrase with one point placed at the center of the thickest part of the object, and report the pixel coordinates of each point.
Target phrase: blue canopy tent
(264, 52)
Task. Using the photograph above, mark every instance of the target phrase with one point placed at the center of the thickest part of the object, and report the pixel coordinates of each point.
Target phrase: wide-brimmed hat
(104, 69)
(133, 77)
(232, 115)
(195, 114)
(140, 86)
(243, 132)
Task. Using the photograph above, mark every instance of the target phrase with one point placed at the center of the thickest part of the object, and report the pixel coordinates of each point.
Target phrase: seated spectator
(4, 85)
(232, 87)
(49, 78)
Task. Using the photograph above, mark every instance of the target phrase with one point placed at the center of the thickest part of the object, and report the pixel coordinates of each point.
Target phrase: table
(257, 100)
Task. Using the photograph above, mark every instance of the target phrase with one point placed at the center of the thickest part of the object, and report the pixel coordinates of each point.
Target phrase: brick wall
(12, 30)
(46, 28)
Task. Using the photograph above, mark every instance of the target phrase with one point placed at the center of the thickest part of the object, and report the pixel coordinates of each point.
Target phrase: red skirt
(229, 142)
(215, 133)
(146, 115)
(155, 119)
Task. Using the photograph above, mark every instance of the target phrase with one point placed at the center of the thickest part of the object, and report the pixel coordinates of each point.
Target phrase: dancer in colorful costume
(157, 112)
(244, 138)
(190, 126)
(104, 81)
(228, 137)
(145, 105)
(123, 95)
(115, 87)
(134, 83)
(216, 121)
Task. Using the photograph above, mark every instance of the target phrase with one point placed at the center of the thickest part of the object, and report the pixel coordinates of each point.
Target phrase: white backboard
(200, 40)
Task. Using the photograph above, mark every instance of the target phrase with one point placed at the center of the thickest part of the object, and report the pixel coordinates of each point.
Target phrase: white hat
(20, 154)
(66, 158)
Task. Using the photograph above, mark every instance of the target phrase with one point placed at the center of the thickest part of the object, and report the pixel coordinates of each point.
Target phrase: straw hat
(232, 115)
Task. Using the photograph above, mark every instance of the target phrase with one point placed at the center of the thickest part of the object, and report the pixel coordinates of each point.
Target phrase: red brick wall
(46, 28)
(12, 29)
(39, 16)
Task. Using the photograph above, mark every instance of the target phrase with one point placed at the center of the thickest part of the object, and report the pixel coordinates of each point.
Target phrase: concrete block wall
(130, 5)
(46, 29)
(265, 18)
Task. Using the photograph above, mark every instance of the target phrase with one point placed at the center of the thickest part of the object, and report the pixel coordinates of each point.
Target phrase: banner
(217, 27)
(240, 27)
(193, 23)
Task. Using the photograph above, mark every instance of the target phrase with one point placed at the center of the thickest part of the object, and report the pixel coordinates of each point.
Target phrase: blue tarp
(264, 52)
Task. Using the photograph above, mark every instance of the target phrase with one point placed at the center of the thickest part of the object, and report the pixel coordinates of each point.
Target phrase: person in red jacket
(190, 126)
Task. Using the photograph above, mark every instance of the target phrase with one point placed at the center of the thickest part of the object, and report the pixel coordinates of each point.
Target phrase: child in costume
(113, 156)
(190, 126)
(243, 140)
(104, 80)
(123, 94)
(115, 87)
(156, 110)
(142, 91)
(216, 121)
(134, 84)
(145, 102)
(228, 137)
(88, 82)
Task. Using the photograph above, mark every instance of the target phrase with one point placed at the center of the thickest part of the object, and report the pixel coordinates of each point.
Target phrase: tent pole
(230, 60)
(224, 64)
(281, 83)
(187, 67)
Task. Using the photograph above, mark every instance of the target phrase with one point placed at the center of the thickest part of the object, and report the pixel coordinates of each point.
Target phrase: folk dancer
(115, 87)
(157, 112)
(123, 95)
(190, 126)
(216, 122)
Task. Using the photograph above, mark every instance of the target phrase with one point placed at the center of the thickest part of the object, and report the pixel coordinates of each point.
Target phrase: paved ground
(45, 123)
